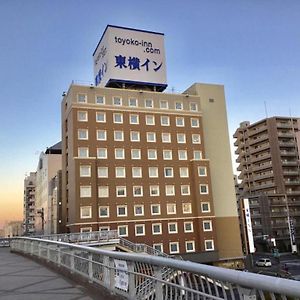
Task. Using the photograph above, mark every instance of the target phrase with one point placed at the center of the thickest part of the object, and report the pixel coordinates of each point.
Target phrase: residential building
(13, 228)
(29, 204)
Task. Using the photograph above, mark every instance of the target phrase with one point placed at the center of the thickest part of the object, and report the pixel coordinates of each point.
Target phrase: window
(85, 171)
(155, 209)
(83, 134)
(102, 172)
(122, 210)
(197, 155)
(158, 247)
(171, 208)
(133, 102)
(149, 103)
(167, 154)
(123, 230)
(194, 122)
(85, 212)
(120, 172)
(182, 154)
(104, 229)
(205, 207)
(154, 190)
(100, 117)
(174, 247)
(202, 171)
(170, 190)
(139, 210)
(193, 106)
(164, 104)
(103, 211)
(133, 119)
(85, 191)
(81, 98)
(209, 245)
(188, 227)
(101, 153)
(151, 137)
(187, 208)
(190, 246)
(117, 101)
(103, 191)
(165, 121)
(85, 229)
(166, 137)
(100, 100)
(136, 172)
(83, 152)
(82, 116)
(135, 153)
(172, 228)
(168, 171)
(156, 228)
(134, 136)
(121, 191)
(118, 118)
(137, 191)
(184, 172)
(152, 154)
(203, 188)
(207, 226)
(139, 229)
(153, 172)
(101, 135)
(180, 121)
(185, 190)
(119, 153)
(150, 120)
(181, 138)
(119, 135)
(178, 105)
(196, 139)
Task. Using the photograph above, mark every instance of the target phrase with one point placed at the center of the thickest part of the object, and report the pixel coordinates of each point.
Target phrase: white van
(264, 262)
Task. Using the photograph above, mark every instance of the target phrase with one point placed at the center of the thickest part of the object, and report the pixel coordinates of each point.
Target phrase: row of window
(137, 190)
(119, 153)
(138, 209)
(133, 102)
(136, 172)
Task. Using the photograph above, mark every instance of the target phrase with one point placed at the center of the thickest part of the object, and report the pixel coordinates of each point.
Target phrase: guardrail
(138, 276)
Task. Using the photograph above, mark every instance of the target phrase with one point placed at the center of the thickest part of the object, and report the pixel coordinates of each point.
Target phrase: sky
(251, 47)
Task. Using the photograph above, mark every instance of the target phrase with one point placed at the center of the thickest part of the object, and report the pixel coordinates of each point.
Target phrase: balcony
(286, 134)
(264, 176)
(258, 140)
(289, 163)
(293, 192)
(286, 144)
(262, 167)
(292, 182)
(258, 130)
(258, 149)
(261, 157)
(264, 186)
(285, 125)
(290, 173)
(288, 153)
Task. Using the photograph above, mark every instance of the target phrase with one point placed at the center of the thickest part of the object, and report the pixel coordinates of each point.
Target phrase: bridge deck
(22, 278)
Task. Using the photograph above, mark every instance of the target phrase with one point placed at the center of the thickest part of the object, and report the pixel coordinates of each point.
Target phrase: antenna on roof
(266, 110)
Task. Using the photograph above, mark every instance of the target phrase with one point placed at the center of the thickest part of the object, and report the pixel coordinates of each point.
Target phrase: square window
(188, 227)
(207, 226)
(83, 134)
(85, 191)
(153, 172)
(156, 228)
(181, 138)
(166, 137)
(100, 117)
(134, 136)
(150, 120)
(82, 116)
(196, 139)
(81, 98)
(165, 121)
(190, 246)
(167, 154)
(103, 191)
(136, 172)
(182, 155)
(171, 208)
(205, 207)
(187, 208)
(103, 211)
(194, 122)
(101, 153)
(133, 102)
(102, 172)
(154, 190)
(197, 155)
(133, 119)
(101, 135)
(203, 188)
(180, 121)
(85, 229)
(118, 118)
(149, 103)
(174, 247)
(83, 152)
(152, 154)
(139, 210)
(121, 191)
(100, 100)
(137, 191)
(122, 210)
(209, 245)
(117, 101)
(193, 106)
(202, 171)
(135, 153)
(119, 135)
(185, 190)
(119, 153)
(123, 230)
(151, 137)
(168, 171)
(85, 212)
(170, 190)
(139, 229)
(104, 229)
(158, 247)
(184, 172)
(120, 172)
(85, 171)
(164, 104)
(172, 228)
(155, 209)
(178, 105)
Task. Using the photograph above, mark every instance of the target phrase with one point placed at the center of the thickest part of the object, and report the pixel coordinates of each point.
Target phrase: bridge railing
(139, 276)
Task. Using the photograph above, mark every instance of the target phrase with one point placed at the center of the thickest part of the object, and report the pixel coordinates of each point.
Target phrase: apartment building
(268, 160)
(29, 204)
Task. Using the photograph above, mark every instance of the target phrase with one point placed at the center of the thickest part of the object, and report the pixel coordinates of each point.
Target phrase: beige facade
(29, 204)
(141, 162)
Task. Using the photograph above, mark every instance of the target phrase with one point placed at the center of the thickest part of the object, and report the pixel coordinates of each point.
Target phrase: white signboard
(130, 56)
(249, 226)
(121, 278)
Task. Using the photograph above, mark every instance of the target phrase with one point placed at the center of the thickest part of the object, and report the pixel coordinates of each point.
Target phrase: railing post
(31, 247)
(90, 267)
(72, 261)
(158, 284)
(40, 250)
(108, 273)
(58, 256)
(131, 283)
(48, 252)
